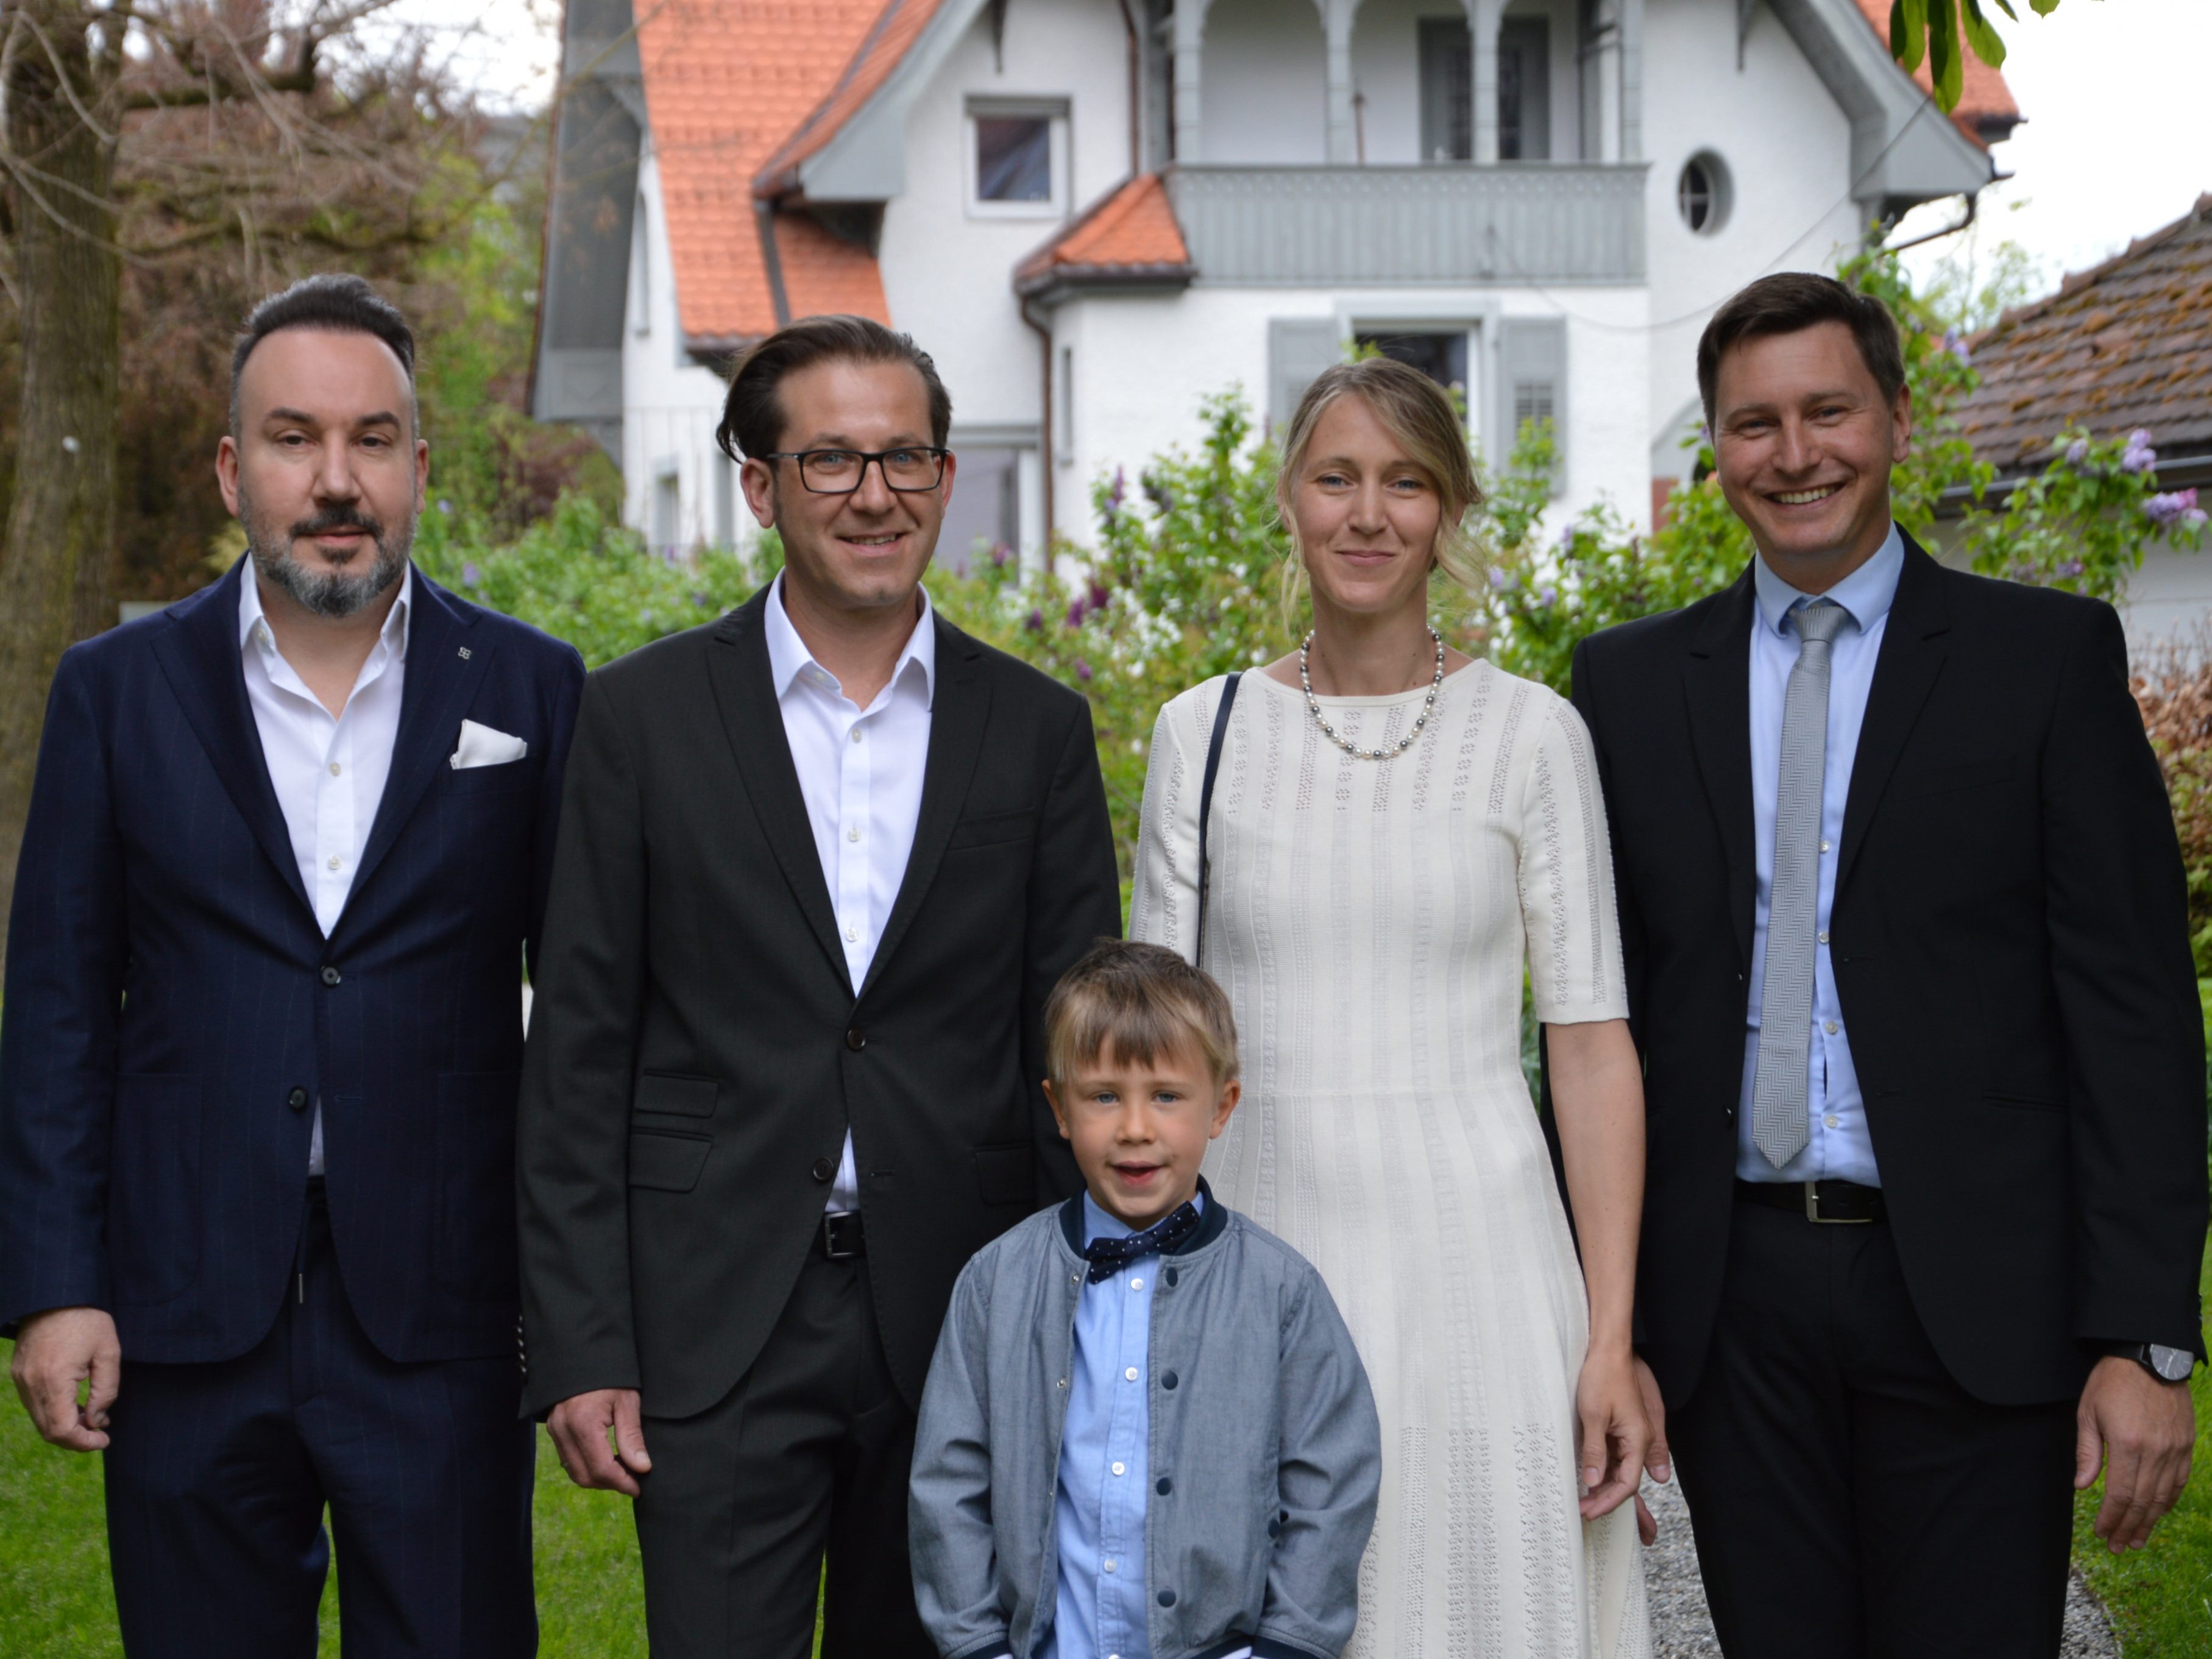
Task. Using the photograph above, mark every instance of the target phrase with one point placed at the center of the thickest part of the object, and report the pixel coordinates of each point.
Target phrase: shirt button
(334, 860)
(1108, 1564)
(334, 769)
(854, 834)
(1136, 1284)
(1823, 936)
(851, 934)
(1131, 1374)
(857, 734)
(1829, 1026)
(1824, 843)
(1833, 1122)
(1120, 1469)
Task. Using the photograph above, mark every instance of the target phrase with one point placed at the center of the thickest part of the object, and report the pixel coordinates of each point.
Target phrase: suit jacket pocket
(1004, 1175)
(476, 1185)
(675, 1095)
(667, 1162)
(992, 829)
(2023, 1103)
(486, 780)
(153, 1188)
(1944, 779)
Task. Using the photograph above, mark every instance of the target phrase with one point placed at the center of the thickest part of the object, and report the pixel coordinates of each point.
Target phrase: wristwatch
(2167, 1364)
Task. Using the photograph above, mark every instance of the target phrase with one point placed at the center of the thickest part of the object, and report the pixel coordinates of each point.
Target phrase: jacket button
(1170, 1276)
(330, 976)
(855, 1040)
(1274, 1529)
(823, 1168)
(1164, 1486)
(297, 1100)
(1167, 1598)
(1168, 1380)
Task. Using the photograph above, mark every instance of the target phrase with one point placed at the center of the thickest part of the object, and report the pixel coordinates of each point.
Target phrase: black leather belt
(1834, 1203)
(842, 1237)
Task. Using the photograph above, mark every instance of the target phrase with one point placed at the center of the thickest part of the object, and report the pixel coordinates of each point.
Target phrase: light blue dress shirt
(1100, 1512)
(1839, 1148)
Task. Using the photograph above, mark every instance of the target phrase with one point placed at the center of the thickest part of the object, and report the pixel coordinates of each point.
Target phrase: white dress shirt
(859, 771)
(1840, 1148)
(328, 773)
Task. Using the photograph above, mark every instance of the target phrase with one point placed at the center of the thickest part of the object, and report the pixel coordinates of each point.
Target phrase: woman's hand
(1613, 1432)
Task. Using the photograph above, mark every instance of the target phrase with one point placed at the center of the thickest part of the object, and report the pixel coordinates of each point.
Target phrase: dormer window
(1017, 158)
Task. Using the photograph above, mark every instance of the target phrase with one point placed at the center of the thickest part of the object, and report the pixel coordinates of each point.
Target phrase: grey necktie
(1779, 1124)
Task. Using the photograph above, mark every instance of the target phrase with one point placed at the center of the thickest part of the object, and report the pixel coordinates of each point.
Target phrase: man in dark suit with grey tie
(287, 844)
(1904, 929)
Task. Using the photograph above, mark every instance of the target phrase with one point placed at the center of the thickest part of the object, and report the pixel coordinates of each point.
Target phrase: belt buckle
(1813, 1211)
(837, 1230)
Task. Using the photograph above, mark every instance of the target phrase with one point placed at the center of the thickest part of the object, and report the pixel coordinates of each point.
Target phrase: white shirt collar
(393, 634)
(787, 654)
(1866, 594)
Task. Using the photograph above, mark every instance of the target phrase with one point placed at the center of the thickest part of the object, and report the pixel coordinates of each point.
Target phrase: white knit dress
(1370, 921)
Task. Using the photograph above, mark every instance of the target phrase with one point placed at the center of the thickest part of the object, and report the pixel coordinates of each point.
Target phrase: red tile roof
(2126, 344)
(1986, 111)
(896, 28)
(1128, 234)
(727, 83)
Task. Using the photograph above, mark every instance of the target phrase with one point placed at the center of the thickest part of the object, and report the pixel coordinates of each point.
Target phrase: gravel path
(1682, 1629)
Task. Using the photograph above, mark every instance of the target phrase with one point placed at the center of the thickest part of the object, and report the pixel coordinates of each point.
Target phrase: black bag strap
(1206, 799)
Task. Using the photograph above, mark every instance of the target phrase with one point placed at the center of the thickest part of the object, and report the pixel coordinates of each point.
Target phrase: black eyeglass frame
(866, 456)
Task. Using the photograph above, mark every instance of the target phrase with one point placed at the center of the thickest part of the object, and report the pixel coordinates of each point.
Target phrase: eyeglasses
(912, 470)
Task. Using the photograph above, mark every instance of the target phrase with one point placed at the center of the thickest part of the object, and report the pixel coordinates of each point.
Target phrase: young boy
(1146, 1432)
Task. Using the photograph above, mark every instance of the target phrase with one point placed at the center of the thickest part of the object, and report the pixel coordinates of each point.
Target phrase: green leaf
(1946, 67)
(2044, 8)
(1908, 32)
(2005, 6)
(1984, 40)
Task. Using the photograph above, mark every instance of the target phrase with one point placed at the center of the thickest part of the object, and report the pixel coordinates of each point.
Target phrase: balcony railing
(1450, 222)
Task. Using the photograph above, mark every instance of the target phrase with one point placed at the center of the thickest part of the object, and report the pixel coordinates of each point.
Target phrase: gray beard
(335, 594)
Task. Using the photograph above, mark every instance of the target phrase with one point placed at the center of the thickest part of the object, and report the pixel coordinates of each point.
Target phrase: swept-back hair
(1415, 411)
(1791, 300)
(752, 416)
(337, 302)
(1140, 1002)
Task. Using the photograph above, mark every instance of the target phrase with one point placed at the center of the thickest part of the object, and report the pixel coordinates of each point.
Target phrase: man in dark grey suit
(820, 864)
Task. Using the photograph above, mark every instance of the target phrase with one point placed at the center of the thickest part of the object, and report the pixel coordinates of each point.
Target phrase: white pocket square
(480, 745)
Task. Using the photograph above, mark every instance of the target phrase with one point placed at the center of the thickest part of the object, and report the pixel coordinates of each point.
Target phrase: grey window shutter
(1531, 385)
(1299, 349)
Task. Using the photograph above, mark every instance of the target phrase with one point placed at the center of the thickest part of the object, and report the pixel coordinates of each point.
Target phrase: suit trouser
(809, 1455)
(1850, 1500)
(217, 1477)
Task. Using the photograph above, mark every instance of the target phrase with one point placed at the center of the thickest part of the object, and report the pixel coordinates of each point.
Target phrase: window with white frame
(1017, 158)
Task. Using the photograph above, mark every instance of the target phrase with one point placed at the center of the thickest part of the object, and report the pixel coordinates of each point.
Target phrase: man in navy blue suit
(289, 843)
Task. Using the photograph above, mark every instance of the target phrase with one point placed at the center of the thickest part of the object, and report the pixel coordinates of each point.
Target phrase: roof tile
(1131, 228)
(1986, 111)
(2126, 344)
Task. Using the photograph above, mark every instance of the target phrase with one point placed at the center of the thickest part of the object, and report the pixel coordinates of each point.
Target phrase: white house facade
(1095, 213)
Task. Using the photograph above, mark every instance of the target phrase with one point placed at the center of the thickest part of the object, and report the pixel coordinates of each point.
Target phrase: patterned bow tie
(1108, 1256)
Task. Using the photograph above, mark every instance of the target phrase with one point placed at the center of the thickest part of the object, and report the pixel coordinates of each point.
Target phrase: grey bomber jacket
(1266, 1453)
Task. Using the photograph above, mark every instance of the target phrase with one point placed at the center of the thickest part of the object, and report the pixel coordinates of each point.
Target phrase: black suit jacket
(173, 1010)
(2010, 940)
(696, 1050)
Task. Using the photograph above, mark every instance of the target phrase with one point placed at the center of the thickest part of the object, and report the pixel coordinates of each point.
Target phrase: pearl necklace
(1428, 707)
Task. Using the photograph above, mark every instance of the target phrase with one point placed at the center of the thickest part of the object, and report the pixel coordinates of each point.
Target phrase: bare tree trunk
(55, 563)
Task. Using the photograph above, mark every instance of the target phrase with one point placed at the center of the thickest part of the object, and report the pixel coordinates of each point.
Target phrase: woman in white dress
(1387, 850)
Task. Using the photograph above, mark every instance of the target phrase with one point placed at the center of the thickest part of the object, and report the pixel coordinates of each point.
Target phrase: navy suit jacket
(172, 1008)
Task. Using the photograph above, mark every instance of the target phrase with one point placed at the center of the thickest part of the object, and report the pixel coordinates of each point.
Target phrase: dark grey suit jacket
(2010, 943)
(697, 1054)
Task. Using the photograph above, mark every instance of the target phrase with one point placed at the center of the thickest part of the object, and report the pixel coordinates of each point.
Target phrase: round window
(1701, 194)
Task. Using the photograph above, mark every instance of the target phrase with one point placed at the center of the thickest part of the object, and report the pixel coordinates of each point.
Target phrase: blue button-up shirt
(1100, 1513)
(1840, 1148)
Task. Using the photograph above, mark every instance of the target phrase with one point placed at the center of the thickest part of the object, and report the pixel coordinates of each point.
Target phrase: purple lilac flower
(1082, 671)
(470, 576)
(1119, 493)
(2139, 457)
(1547, 595)
(1035, 622)
(2070, 569)
(1000, 553)
(1099, 597)
(1955, 342)
(2172, 507)
(1566, 539)
(2077, 452)
(1075, 611)
(1500, 581)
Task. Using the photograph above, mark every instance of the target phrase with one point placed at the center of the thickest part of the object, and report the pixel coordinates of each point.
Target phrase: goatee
(333, 593)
